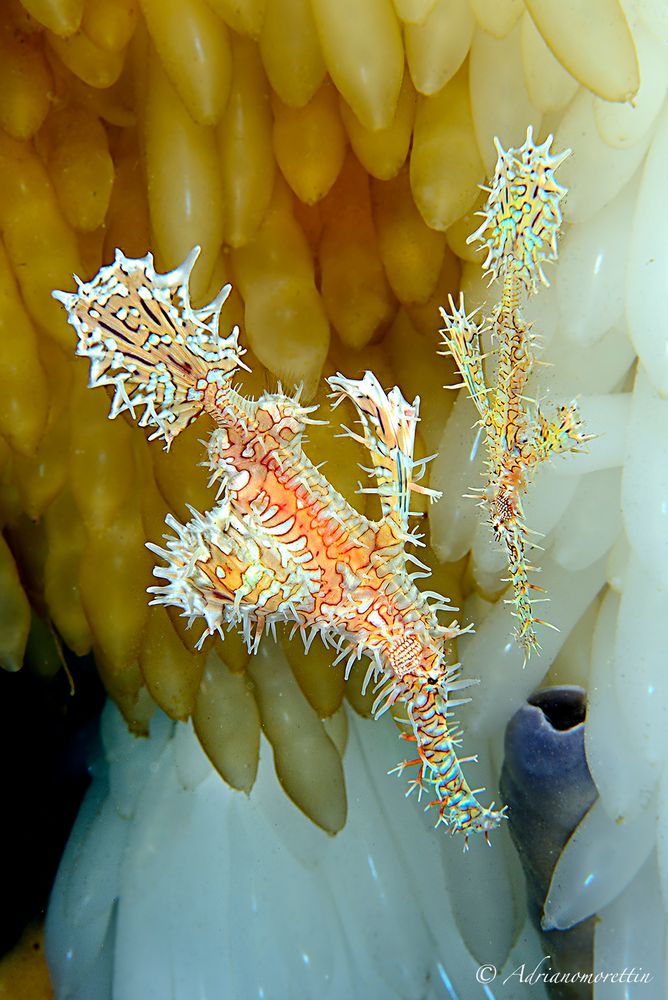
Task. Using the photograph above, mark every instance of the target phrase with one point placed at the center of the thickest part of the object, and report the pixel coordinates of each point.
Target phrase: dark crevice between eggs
(48, 733)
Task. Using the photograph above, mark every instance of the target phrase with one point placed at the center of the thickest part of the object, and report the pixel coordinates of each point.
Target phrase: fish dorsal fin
(388, 423)
(143, 337)
(522, 215)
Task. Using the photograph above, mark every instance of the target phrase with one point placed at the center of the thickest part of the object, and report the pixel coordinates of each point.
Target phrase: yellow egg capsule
(110, 23)
(244, 16)
(341, 454)
(446, 168)
(422, 313)
(127, 223)
(355, 290)
(24, 395)
(497, 17)
(360, 703)
(310, 143)
(25, 83)
(11, 506)
(322, 684)
(227, 723)
(75, 146)
(364, 54)
(412, 252)
(592, 41)
(286, 323)
(245, 146)
(115, 573)
(194, 49)
(40, 245)
(63, 17)
(414, 11)
(291, 51)
(65, 542)
(185, 189)
(307, 763)
(95, 66)
(102, 476)
(171, 673)
(14, 612)
(42, 475)
(436, 48)
(383, 151)
(179, 474)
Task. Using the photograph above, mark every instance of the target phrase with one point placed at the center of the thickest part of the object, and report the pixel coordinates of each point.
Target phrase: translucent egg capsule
(310, 143)
(101, 466)
(436, 48)
(40, 244)
(110, 24)
(593, 41)
(41, 475)
(383, 151)
(497, 17)
(115, 572)
(425, 315)
(11, 505)
(24, 396)
(286, 323)
(25, 83)
(14, 612)
(74, 144)
(233, 651)
(127, 223)
(414, 11)
(549, 85)
(412, 354)
(361, 703)
(307, 763)
(193, 45)
(622, 125)
(459, 232)
(245, 146)
(341, 454)
(291, 52)
(411, 252)
(172, 674)
(602, 170)
(495, 70)
(179, 474)
(355, 290)
(648, 260)
(364, 55)
(446, 168)
(244, 16)
(185, 189)
(95, 66)
(63, 17)
(322, 683)
(227, 723)
(65, 542)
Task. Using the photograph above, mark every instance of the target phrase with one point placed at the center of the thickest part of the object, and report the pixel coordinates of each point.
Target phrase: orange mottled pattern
(279, 546)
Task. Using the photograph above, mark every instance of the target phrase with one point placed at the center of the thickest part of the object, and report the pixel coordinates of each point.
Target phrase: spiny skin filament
(520, 227)
(280, 545)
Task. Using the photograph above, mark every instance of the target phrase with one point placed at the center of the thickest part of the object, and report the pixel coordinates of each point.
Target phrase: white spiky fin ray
(389, 423)
(461, 338)
(142, 336)
(522, 215)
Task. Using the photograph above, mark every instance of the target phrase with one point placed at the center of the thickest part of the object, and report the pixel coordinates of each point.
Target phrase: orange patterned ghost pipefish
(521, 222)
(280, 545)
